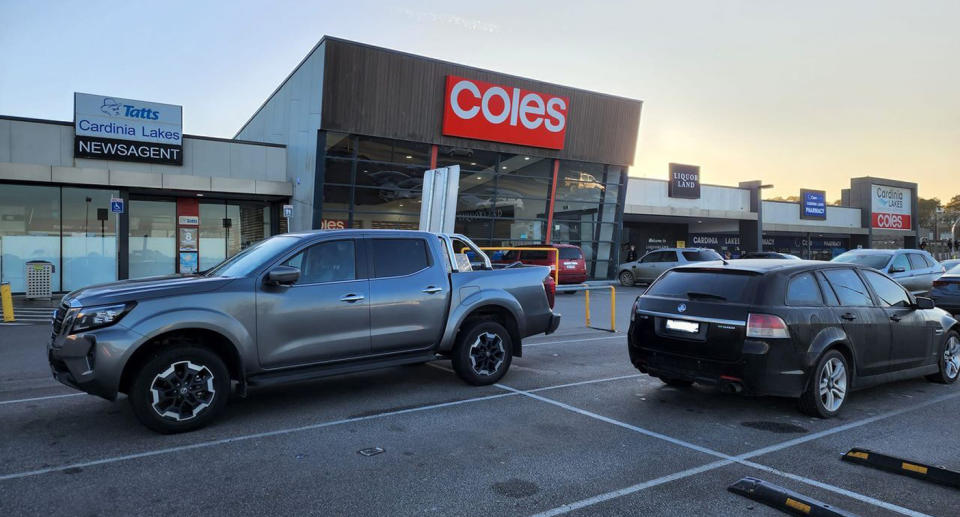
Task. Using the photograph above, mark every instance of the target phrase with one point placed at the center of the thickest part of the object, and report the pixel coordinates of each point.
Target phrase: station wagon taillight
(766, 326)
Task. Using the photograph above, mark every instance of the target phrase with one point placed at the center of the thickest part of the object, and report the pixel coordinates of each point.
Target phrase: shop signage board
(502, 113)
(114, 128)
(890, 207)
(684, 181)
(333, 224)
(188, 239)
(813, 204)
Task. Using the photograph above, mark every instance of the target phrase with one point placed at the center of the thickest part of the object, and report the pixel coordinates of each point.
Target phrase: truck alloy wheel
(482, 353)
(181, 388)
(182, 391)
(487, 353)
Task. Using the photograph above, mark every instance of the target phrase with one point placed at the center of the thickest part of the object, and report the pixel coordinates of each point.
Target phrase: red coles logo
(486, 111)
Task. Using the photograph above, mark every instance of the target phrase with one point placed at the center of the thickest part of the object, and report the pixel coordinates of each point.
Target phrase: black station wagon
(803, 329)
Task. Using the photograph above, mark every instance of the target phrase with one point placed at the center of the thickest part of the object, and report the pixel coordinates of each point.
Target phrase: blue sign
(116, 205)
(813, 204)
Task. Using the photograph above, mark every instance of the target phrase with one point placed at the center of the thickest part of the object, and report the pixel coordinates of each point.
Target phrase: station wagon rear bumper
(761, 369)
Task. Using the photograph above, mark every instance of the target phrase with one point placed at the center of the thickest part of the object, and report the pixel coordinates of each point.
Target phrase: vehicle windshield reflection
(249, 259)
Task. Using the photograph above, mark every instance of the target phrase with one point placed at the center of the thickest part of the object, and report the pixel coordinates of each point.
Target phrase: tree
(792, 199)
(954, 205)
(928, 212)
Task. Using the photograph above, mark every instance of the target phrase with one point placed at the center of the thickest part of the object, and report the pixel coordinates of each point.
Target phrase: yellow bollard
(6, 300)
(586, 301)
(613, 308)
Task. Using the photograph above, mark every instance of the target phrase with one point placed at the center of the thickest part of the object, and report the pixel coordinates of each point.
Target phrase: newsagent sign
(890, 208)
(113, 128)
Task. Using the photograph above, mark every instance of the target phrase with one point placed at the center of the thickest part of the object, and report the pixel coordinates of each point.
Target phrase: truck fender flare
(477, 300)
(197, 318)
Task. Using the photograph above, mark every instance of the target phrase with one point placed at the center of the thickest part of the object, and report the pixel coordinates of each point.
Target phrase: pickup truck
(294, 307)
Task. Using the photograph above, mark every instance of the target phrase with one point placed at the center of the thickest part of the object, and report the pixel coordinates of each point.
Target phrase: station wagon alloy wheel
(182, 391)
(833, 384)
(487, 353)
(951, 357)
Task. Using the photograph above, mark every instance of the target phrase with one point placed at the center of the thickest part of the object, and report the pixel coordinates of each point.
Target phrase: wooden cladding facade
(379, 92)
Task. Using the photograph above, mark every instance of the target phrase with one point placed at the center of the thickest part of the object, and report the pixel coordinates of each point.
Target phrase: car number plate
(571, 266)
(683, 326)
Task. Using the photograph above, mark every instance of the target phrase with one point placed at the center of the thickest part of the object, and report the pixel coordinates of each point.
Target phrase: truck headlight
(89, 318)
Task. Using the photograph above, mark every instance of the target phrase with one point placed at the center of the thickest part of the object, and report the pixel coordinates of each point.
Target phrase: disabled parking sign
(116, 205)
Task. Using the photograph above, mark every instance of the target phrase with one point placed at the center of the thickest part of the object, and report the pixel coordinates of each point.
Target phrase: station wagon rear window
(718, 286)
(570, 254)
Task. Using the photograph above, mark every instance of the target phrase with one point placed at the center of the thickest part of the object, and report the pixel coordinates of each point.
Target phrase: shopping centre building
(344, 141)
(873, 213)
(120, 192)
(538, 162)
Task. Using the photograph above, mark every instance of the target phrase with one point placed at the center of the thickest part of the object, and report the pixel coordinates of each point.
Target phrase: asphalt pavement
(572, 429)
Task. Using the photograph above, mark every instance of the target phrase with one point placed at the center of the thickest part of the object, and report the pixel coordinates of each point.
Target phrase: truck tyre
(626, 278)
(827, 387)
(949, 360)
(180, 389)
(482, 353)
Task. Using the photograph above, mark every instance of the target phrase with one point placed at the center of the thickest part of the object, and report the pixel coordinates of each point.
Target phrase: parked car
(768, 255)
(914, 269)
(651, 265)
(949, 264)
(573, 267)
(946, 291)
(803, 329)
(291, 308)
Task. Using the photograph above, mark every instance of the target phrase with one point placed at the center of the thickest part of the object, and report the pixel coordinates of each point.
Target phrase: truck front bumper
(91, 362)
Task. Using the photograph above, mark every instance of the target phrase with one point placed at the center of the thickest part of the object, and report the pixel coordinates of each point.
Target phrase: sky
(797, 94)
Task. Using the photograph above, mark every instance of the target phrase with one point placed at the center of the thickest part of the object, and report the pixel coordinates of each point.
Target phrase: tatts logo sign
(891, 207)
(487, 111)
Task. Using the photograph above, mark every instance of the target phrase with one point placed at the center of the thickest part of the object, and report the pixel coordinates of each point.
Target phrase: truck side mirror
(283, 275)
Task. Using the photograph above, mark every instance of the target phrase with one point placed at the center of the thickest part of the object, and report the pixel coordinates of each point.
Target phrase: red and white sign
(333, 224)
(487, 111)
(891, 207)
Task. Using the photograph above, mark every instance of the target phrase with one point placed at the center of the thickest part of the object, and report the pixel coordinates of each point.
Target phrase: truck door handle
(895, 317)
(849, 316)
(433, 289)
(350, 298)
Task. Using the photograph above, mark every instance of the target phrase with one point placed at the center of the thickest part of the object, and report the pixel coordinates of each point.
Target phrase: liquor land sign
(891, 208)
(813, 204)
(684, 181)
(486, 111)
(113, 128)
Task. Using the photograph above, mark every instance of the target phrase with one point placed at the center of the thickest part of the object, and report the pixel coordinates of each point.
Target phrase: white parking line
(727, 459)
(590, 501)
(34, 399)
(279, 432)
